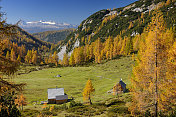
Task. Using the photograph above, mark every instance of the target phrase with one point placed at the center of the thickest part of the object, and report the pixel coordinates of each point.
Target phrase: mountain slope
(125, 21)
(30, 42)
(53, 36)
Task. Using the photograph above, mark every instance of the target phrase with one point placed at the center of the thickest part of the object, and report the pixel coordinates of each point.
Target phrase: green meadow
(73, 80)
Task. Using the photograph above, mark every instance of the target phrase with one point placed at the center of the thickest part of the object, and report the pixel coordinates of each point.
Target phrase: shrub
(73, 104)
(119, 110)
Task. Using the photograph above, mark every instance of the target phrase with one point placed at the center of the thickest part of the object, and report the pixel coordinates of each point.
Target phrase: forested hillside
(24, 47)
(126, 21)
(53, 36)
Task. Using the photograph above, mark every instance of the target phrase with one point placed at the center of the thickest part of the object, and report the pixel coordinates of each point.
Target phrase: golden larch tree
(88, 91)
(21, 101)
(153, 76)
(34, 57)
(7, 68)
(19, 58)
(12, 55)
(72, 60)
(97, 51)
(65, 60)
(55, 58)
(7, 55)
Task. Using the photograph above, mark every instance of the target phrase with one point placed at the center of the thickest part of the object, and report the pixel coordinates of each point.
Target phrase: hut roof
(122, 84)
(58, 75)
(61, 97)
(52, 93)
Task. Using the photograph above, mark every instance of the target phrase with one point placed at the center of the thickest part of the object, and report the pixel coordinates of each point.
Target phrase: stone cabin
(57, 96)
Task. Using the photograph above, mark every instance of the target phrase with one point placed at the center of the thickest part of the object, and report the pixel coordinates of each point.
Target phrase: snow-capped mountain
(41, 26)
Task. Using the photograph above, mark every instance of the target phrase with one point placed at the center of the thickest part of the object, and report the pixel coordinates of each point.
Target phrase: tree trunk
(156, 79)
(90, 102)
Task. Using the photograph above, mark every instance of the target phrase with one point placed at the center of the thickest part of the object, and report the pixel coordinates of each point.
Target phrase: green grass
(73, 80)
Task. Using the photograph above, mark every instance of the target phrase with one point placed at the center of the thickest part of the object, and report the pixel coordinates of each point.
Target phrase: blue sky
(69, 11)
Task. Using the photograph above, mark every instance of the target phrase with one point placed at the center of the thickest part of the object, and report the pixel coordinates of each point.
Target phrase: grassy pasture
(73, 80)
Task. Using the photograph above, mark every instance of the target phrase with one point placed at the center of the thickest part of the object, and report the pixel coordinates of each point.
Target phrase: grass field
(73, 80)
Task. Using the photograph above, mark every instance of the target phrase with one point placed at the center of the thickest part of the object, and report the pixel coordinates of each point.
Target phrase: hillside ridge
(125, 21)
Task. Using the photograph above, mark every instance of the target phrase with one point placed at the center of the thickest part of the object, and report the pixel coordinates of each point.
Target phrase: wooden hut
(56, 96)
(119, 87)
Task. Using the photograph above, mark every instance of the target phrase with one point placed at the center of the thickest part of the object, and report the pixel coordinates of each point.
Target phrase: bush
(114, 102)
(76, 109)
(73, 104)
(8, 106)
(51, 65)
(31, 113)
(111, 114)
(119, 110)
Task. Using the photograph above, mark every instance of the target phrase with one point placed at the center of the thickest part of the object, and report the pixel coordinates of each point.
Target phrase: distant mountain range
(41, 26)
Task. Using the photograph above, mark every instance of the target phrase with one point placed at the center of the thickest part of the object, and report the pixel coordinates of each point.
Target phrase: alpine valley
(118, 62)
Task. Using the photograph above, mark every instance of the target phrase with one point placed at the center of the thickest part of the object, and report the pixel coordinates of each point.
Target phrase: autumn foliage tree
(65, 60)
(21, 101)
(31, 56)
(34, 57)
(88, 90)
(7, 67)
(7, 55)
(12, 55)
(72, 60)
(55, 58)
(97, 51)
(153, 81)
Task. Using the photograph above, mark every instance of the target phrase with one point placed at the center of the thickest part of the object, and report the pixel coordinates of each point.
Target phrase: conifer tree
(108, 44)
(107, 55)
(7, 67)
(88, 91)
(86, 53)
(136, 41)
(28, 57)
(97, 51)
(111, 52)
(153, 75)
(102, 54)
(129, 46)
(119, 46)
(21, 101)
(91, 55)
(12, 55)
(60, 62)
(34, 57)
(72, 60)
(108, 47)
(46, 60)
(65, 60)
(168, 2)
(77, 55)
(19, 59)
(7, 55)
(115, 47)
(55, 58)
(50, 58)
(130, 25)
(23, 50)
(122, 50)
